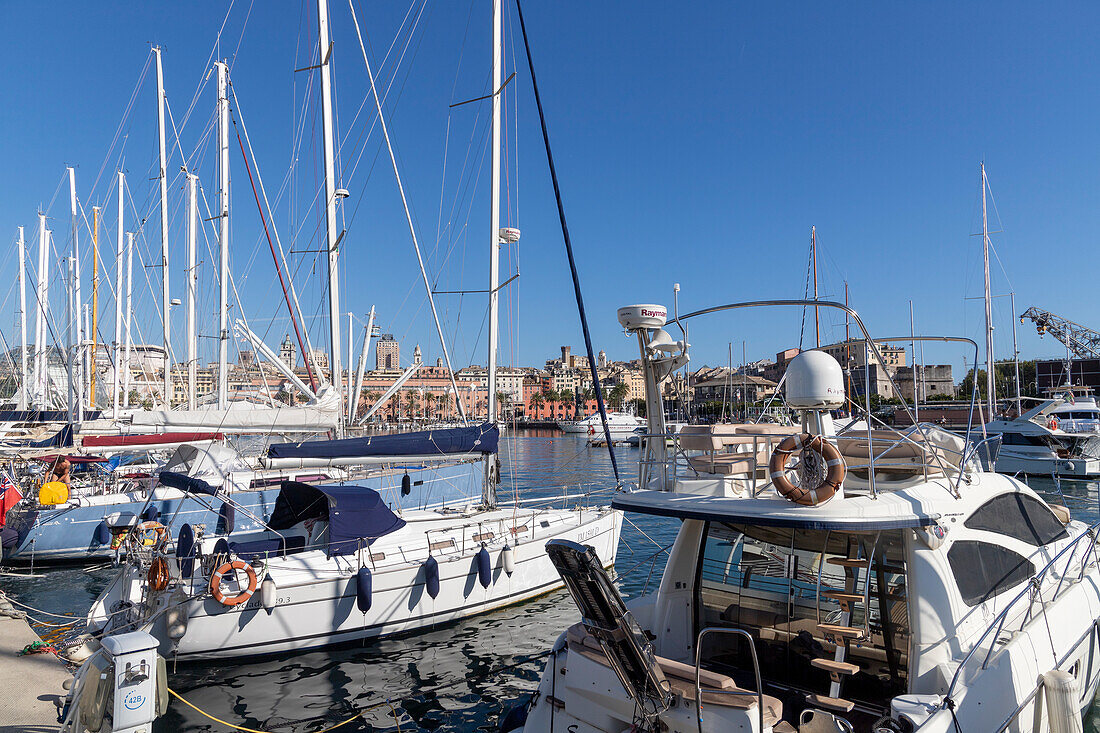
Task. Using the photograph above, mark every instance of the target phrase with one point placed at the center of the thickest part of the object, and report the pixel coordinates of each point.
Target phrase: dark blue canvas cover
(354, 513)
(180, 481)
(476, 439)
(62, 439)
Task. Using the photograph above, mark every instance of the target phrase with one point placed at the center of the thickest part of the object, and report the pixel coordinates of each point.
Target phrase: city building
(933, 381)
(288, 353)
(387, 352)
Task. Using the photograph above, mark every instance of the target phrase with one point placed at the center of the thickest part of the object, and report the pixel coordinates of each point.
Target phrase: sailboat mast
(76, 340)
(817, 311)
(847, 342)
(990, 397)
(223, 237)
(1015, 354)
(324, 47)
(119, 284)
(95, 307)
(129, 315)
(192, 286)
(165, 304)
(41, 295)
(494, 209)
(23, 386)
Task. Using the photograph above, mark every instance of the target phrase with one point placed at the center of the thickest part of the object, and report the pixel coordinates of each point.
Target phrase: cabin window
(1019, 516)
(983, 570)
(764, 580)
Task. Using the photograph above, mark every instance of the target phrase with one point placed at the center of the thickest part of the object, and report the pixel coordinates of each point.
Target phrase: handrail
(998, 623)
(759, 694)
(1094, 627)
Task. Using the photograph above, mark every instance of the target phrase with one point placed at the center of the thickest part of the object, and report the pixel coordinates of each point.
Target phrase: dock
(30, 685)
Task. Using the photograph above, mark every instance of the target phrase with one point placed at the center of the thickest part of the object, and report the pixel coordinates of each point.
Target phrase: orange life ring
(1053, 424)
(216, 583)
(807, 496)
(158, 574)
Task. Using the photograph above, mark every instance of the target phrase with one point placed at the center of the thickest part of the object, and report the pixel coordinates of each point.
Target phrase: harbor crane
(1082, 342)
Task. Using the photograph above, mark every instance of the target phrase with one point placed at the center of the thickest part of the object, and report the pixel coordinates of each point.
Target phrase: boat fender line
(406, 485)
(216, 582)
(508, 559)
(185, 550)
(363, 587)
(431, 576)
(1063, 712)
(227, 516)
(102, 533)
(826, 452)
(269, 594)
(484, 567)
(158, 575)
(151, 514)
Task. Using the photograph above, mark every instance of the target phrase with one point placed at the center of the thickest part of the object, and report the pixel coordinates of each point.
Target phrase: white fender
(268, 593)
(508, 559)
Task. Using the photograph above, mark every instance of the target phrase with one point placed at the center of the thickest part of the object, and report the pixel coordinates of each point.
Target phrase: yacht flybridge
(1059, 436)
(867, 580)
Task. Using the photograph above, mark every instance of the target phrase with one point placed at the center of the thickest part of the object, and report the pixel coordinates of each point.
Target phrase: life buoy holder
(158, 574)
(148, 534)
(1053, 423)
(806, 495)
(216, 583)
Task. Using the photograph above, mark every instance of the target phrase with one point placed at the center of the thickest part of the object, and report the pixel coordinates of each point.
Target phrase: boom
(1083, 343)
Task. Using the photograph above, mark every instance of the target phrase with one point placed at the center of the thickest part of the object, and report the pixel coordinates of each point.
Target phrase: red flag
(10, 495)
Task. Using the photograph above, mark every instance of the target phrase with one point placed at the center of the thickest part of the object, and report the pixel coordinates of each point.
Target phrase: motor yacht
(868, 580)
(621, 425)
(1058, 437)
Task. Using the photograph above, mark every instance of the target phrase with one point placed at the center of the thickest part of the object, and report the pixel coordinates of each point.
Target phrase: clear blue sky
(696, 143)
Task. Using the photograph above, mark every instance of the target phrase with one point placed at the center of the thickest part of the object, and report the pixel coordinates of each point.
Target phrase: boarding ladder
(856, 561)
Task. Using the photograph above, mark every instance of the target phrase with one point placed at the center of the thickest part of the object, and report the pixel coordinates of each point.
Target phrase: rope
(9, 599)
(568, 248)
(202, 712)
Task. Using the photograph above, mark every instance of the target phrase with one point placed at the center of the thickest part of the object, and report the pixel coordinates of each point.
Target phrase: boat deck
(31, 684)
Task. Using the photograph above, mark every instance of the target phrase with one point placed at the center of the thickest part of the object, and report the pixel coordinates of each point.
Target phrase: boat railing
(759, 694)
(1093, 628)
(1032, 592)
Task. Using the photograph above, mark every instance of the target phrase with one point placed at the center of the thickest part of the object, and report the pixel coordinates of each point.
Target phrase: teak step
(849, 562)
(848, 632)
(830, 703)
(834, 667)
(783, 727)
(845, 596)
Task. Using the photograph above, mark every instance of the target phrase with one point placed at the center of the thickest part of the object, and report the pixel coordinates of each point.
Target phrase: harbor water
(456, 677)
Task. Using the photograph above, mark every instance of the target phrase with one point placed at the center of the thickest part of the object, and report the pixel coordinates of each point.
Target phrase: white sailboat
(336, 563)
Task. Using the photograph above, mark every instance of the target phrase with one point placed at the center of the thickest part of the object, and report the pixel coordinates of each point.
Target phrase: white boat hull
(316, 600)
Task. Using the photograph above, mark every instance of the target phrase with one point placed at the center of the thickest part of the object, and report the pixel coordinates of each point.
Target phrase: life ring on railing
(826, 451)
(158, 575)
(148, 534)
(1053, 423)
(216, 583)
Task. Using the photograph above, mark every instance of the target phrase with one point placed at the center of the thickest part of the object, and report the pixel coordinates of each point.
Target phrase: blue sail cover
(477, 439)
(62, 439)
(192, 485)
(354, 513)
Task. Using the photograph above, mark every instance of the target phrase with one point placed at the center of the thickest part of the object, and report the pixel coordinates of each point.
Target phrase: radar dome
(815, 381)
(637, 317)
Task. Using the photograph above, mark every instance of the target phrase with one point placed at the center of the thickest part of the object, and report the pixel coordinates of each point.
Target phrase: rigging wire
(568, 247)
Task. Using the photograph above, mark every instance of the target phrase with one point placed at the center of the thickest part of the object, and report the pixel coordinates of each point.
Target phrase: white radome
(815, 381)
(637, 317)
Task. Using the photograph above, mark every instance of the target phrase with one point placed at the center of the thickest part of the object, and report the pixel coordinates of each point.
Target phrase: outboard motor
(122, 688)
